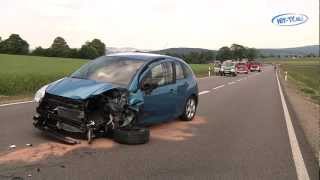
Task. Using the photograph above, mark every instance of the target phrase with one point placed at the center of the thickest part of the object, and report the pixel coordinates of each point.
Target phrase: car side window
(168, 72)
(186, 70)
(157, 75)
(179, 71)
(160, 74)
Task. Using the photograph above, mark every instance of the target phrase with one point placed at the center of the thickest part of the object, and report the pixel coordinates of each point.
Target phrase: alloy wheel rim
(190, 108)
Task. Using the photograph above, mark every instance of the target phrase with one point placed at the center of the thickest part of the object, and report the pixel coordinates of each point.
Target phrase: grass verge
(304, 73)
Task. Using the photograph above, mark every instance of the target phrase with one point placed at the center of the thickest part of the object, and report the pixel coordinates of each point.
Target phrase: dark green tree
(39, 51)
(73, 53)
(14, 45)
(224, 53)
(238, 51)
(88, 52)
(99, 46)
(59, 48)
(252, 53)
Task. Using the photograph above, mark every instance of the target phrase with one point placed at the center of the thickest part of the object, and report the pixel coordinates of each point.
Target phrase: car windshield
(228, 64)
(117, 70)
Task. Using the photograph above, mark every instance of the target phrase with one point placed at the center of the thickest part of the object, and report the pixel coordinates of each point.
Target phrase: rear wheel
(190, 109)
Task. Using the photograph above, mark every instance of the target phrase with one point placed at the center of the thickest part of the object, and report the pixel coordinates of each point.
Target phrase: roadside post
(286, 76)
(209, 71)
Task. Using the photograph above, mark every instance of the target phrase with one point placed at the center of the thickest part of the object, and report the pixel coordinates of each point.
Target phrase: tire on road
(191, 105)
(132, 135)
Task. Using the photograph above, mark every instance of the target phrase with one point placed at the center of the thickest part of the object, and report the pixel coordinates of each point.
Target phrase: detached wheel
(189, 109)
(131, 136)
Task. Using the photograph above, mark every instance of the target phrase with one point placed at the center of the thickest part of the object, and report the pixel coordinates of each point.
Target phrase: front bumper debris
(54, 134)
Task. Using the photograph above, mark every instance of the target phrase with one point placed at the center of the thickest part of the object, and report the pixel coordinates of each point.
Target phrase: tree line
(95, 48)
(237, 52)
(234, 52)
(201, 57)
(59, 48)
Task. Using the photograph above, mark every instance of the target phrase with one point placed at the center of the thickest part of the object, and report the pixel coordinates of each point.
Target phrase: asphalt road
(239, 133)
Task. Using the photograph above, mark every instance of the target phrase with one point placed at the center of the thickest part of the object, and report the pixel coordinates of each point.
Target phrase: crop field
(304, 73)
(23, 75)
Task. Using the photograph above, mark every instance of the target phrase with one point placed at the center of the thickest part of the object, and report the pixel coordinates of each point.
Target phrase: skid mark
(176, 130)
(42, 151)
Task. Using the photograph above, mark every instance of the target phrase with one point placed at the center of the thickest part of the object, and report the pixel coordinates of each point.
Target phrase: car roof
(140, 56)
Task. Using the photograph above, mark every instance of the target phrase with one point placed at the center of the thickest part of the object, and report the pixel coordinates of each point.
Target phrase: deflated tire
(132, 136)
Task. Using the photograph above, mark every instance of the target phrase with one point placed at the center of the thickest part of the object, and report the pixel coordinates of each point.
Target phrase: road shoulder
(14, 99)
(305, 115)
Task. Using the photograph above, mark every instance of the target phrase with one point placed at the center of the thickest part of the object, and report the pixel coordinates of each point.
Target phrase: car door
(182, 86)
(159, 103)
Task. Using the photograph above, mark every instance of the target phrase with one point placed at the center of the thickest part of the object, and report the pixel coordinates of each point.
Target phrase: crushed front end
(99, 113)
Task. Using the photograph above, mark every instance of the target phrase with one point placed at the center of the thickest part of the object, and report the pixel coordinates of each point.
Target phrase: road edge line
(300, 166)
(204, 92)
(221, 86)
(15, 103)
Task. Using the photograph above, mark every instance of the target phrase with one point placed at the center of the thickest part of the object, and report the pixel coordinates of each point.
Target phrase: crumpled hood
(78, 88)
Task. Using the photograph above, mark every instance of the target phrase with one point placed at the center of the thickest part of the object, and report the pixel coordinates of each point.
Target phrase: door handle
(173, 91)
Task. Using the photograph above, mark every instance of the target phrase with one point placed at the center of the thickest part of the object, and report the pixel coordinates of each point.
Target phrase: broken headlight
(40, 93)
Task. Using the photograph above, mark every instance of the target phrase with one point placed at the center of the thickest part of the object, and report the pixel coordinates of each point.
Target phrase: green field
(23, 75)
(305, 74)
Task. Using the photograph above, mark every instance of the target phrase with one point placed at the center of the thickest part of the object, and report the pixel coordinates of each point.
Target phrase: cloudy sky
(157, 24)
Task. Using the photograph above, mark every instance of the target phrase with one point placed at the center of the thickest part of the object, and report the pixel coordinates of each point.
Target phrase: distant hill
(181, 51)
(111, 50)
(296, 51)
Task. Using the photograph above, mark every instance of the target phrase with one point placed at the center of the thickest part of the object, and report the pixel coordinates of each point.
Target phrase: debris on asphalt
(12, 146)
(29, 144)
(29, 175)
(38, 169)
(62, 166)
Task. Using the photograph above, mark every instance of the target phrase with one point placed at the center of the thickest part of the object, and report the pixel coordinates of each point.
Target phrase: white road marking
(231, 82)
(16, 103)
(301, 169)
(239, 80)
(203, 92)
(218, 87)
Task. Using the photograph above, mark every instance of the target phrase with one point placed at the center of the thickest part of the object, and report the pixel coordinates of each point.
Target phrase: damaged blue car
(119, 94)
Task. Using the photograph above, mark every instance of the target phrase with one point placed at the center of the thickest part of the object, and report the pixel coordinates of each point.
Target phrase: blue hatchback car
(118, 93)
